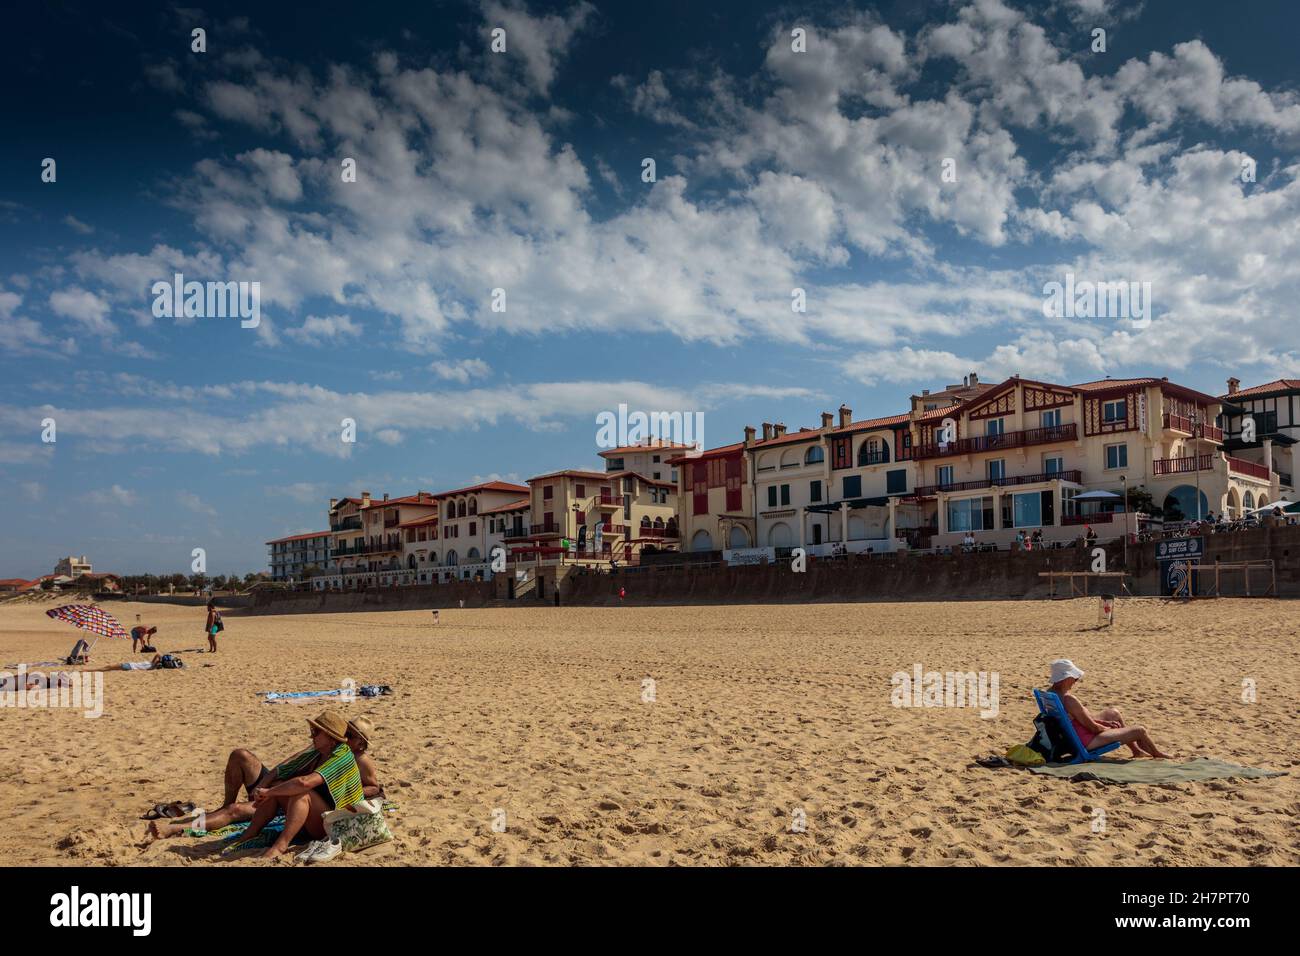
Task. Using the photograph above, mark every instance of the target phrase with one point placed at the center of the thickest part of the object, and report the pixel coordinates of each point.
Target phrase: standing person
(213, 626)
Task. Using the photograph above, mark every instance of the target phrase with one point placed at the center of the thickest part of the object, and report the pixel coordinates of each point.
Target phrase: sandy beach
(758, 712)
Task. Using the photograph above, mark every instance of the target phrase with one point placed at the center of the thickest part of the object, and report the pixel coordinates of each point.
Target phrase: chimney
(827, 418)
(925, 392)
(767, 431)
(975, 379)
(333, 503)
(385, 496)
(778, 429)
(365, 499)
(749, 435)
(1233, 385)
(846, 416)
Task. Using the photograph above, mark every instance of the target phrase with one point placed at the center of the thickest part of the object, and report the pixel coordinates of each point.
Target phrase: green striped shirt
(342, 777)
(298, 764)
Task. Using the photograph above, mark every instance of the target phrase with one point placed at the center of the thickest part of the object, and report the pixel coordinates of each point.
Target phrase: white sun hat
(1063, 668)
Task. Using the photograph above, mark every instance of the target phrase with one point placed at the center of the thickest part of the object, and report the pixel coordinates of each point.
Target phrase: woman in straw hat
(335, 784)
(1107, 727)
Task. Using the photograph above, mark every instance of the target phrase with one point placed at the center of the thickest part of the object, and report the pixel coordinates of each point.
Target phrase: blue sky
(522, 170)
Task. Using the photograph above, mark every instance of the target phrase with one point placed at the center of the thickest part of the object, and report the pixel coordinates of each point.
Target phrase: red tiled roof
(1106, 384)
(870, 423)
(1268, 388)
(573, 473)
(651, 445)
(419, 522)
(718, 452)
(428, 500)
(486, 486)
(300, 537)
(20, 583)
(508, 506)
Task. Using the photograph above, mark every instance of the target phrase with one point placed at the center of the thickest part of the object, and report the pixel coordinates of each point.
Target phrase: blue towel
(365, 690)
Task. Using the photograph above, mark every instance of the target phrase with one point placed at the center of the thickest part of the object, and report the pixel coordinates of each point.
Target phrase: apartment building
(463, 539)
(1014, 458)
(841, 487)
(715, 499)
(653, 458)
(602, 516)
(294, 555)
(73, 567)
(347, 544)
(1274, 408)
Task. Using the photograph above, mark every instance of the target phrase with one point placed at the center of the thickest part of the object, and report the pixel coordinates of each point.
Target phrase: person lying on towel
(245, 770)
(335, 784)
(1107, 727)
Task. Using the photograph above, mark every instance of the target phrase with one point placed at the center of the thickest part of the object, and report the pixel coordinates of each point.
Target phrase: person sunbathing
(335, 784)
(245, 771)
(1107, 727)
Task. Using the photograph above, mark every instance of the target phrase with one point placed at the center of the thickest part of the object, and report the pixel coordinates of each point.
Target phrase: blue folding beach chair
(1049, 704)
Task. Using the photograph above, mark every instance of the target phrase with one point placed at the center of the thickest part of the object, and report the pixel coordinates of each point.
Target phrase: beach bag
(1049, 740)
(361, 827)
(1023, 756)
(171, 663)
(218, 623)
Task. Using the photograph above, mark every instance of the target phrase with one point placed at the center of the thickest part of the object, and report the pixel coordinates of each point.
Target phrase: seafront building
(1274, 409)
(293, 556)
(990, 462)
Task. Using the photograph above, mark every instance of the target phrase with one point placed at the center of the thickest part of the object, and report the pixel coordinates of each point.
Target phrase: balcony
(1189, 426)
(925, 491)
(646, 531)
(1249, 468)
(380, 547)
(610, 500)
(548, 527)
(350, 523)
(391, 522)
(1181, 466)
(609, 530)
(983, 443)
(515, 533)
(1099, 517)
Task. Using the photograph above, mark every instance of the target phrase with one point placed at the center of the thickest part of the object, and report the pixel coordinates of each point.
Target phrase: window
(896, 481)
(943, 475)
(1053, 464)
(548, 492)
(473, 527)
(767, 462)
(582, 491)
(1265, 423)
(655, 459)
(852, 486)
(473, 506)
(995, 426)
(1027, 510)
(771, 496)
(841, 452)
(1116, 411)
(1117, 456)
(970, 514)
(873, 451)
(814, 491)
(785, 494)
(998, 469)
(460, 509)
(1051, 419)
(815, 455)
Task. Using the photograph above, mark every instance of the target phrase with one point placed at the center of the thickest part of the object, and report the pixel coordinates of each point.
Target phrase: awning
(828, 507)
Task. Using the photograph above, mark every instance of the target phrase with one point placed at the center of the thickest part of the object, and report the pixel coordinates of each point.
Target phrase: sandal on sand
(169, 811)
(993, 760)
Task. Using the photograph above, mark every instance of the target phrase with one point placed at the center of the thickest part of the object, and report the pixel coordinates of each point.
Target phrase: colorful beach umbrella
(89, 617)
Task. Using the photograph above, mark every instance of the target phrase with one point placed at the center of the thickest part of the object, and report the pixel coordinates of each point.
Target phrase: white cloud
(461, 370)
(116, 495)
(194, 503)
(85, 307)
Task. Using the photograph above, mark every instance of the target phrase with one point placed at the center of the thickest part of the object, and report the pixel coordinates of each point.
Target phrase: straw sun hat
(1064, 668)
(331, 723)
(363, 727)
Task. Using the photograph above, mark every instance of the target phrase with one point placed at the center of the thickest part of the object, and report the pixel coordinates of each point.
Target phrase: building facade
(1274, 410)
(294, 555)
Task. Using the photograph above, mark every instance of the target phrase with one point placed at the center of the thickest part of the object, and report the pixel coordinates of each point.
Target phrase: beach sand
(759, 712)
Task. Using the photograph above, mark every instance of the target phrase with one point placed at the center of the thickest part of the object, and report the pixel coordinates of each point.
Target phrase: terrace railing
(983, 443)
(1071, 474)
(1182, 466)
(1243, 467)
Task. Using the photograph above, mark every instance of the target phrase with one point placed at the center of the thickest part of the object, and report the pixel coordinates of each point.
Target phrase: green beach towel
(1153, 771)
